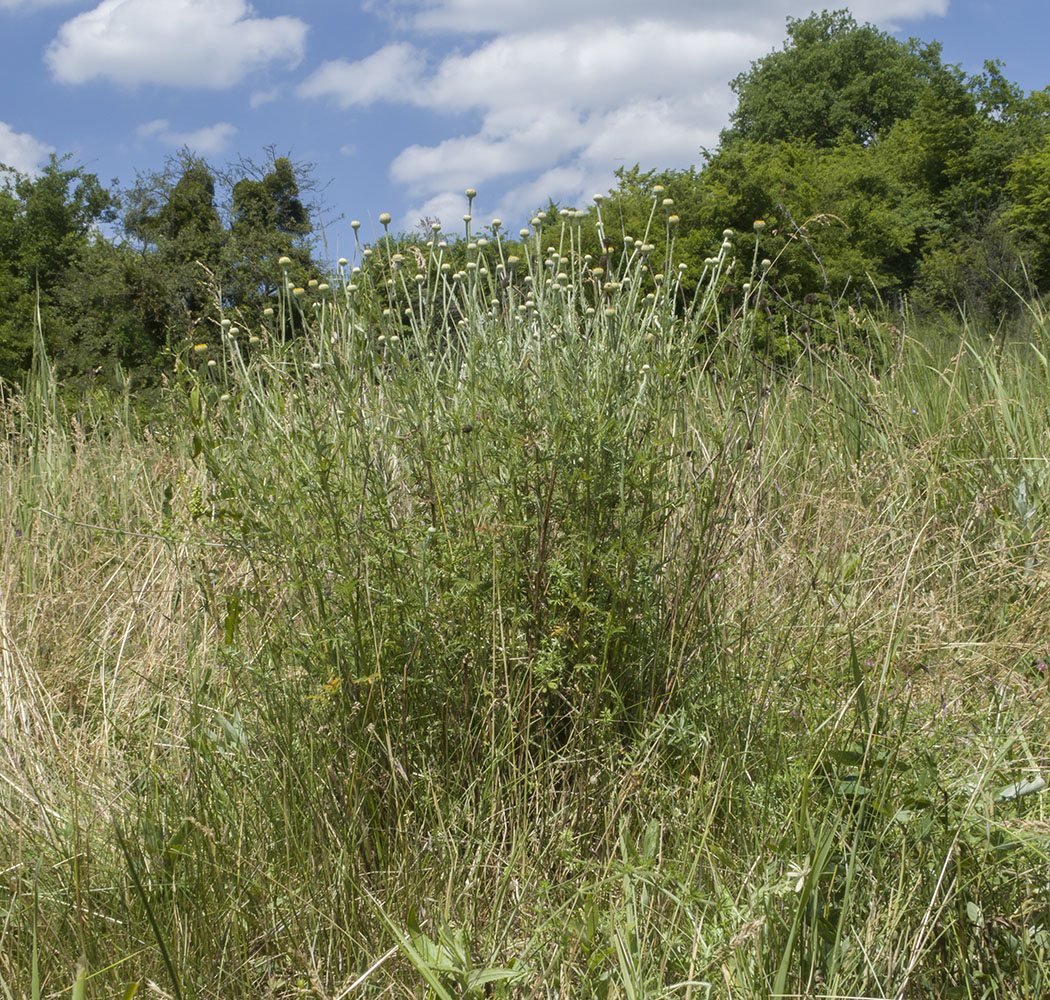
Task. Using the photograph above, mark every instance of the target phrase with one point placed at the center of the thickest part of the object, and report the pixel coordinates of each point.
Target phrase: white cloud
(389, 74)
(206, 141)
(486, 16)
(565, 90)
(21, 150)
(207, 44)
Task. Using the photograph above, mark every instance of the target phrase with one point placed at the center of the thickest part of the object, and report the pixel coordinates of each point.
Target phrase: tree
(46, 231)
(173, 217)
(268, 222)
(835, 81)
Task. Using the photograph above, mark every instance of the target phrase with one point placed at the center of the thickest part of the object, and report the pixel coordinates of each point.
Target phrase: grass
(531, 638)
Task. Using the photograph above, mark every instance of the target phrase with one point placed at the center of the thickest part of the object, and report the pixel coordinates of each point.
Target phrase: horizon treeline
(881, 177)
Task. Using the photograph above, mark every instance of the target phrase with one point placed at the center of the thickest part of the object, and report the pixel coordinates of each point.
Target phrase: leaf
(858, 679)
(1020, 788)
(851, 758)
(973, 911)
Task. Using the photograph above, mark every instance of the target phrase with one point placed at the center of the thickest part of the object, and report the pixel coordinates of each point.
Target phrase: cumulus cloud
(21, 150)
(564, 92)
(484, 16)
(388, 74)
(206, 141)
(206, 44)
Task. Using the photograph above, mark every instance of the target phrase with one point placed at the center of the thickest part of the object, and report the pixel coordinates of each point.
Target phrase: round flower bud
(760, 224)
(384, 219)
(343, 262)
(284, 261)
(727, 233)
(355, 224)
(471, 193)
(658, 190)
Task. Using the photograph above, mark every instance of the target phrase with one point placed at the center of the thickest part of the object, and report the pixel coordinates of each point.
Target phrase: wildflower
(523, 233)
(384, 219)
(355, 225)
(297, 291)
(658, 190)
(759, 224)
(268, 311)
(435, 227)
(598, 199)
(667, 202)
(323, 287)
(200, 348)
(284, 261)
(471, 194)
(343, 262)
(672, 220)
(496, 223)
(312, 282)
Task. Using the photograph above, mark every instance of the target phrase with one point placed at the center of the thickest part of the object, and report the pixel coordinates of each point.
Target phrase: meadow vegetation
(482, 643)
(622, 608)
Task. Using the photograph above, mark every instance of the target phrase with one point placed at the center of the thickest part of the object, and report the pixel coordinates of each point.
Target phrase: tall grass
(523, 630)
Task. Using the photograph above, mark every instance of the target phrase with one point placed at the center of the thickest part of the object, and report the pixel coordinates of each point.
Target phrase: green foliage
(45, 236)
(835, 81)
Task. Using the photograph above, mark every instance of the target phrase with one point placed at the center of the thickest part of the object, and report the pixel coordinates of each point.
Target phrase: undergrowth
(530, 629)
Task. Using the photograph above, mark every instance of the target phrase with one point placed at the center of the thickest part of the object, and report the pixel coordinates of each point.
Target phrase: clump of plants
(499, 619)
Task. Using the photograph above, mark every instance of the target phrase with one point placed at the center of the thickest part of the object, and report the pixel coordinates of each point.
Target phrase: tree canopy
(836, 81)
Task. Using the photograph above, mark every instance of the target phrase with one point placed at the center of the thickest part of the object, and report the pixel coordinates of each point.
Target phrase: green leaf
(1020, 788)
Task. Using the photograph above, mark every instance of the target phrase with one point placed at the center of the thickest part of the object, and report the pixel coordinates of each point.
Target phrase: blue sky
(401, 104)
